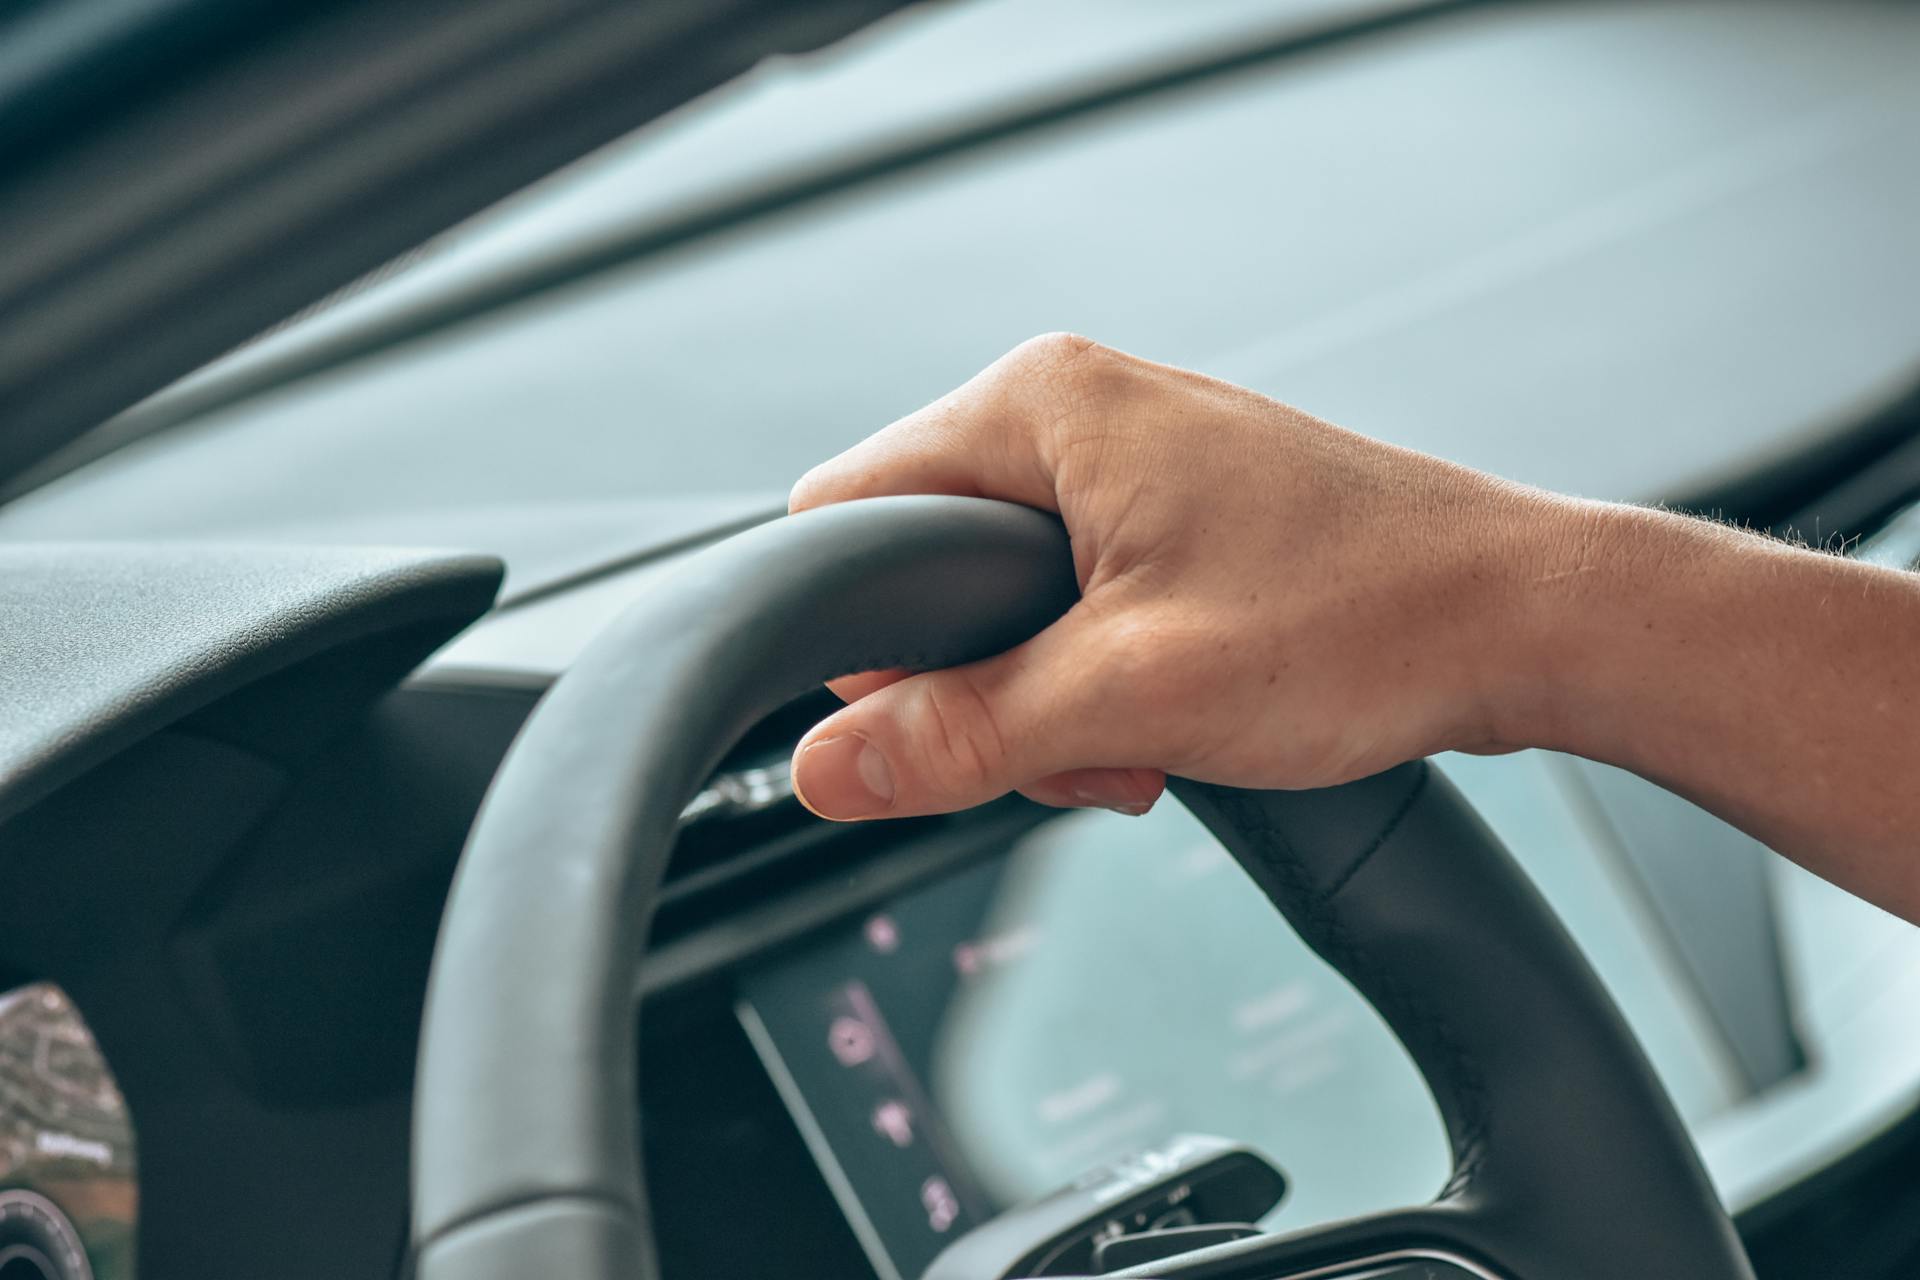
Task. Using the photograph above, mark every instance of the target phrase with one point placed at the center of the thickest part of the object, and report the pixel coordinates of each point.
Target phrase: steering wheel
(1569, 1162)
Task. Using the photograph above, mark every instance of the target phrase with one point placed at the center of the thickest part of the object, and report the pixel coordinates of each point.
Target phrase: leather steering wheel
(1569, 1160)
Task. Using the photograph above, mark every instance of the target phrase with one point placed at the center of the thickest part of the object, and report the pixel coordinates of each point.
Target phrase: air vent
(745, 834)
(743, 792)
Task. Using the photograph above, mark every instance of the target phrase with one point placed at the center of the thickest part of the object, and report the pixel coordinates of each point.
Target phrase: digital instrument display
(1105, 985)
(67, 1189)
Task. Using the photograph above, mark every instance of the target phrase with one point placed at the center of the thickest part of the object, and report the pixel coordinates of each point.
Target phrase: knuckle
(1067, 386)
(1055, 351)
(1076, 367)
(958, 736)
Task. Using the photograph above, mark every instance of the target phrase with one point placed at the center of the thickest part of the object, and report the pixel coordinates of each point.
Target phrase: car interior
(403, 642)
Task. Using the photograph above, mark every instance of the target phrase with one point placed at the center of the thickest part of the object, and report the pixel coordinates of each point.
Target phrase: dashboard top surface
(109, 642)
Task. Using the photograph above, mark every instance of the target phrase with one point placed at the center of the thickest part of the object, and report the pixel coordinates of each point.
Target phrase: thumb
(948, 740)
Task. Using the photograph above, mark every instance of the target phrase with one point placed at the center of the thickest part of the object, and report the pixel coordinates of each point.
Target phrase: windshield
(1610, 249)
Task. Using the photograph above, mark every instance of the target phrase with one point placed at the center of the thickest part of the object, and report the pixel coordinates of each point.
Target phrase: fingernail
(843, 777)
(1116, 797)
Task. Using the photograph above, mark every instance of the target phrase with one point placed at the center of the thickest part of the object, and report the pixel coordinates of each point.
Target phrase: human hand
(1267, 600)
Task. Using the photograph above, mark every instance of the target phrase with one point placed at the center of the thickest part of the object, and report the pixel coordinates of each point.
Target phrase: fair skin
(1271, 601)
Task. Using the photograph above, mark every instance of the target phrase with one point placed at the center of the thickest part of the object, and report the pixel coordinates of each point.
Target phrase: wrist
(1619, 622)
(1581, 572)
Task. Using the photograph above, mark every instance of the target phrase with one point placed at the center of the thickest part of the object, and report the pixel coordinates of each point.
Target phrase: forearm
(1775, 686)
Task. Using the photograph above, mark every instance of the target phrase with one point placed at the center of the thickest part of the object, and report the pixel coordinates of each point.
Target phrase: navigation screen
(1106, 984)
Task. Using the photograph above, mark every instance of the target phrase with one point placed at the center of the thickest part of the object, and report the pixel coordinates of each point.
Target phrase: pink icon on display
(851, 1040)
(892, 1121)
(883, 935)
(937, 1198)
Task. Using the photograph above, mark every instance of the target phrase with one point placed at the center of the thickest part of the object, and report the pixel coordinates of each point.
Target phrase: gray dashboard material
(105, 643)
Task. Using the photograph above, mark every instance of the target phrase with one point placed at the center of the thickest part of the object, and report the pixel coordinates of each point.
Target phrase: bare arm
(1772, 685)
(1268, 600)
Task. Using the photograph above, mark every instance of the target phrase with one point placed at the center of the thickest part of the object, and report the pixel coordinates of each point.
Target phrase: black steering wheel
(1569, 1161)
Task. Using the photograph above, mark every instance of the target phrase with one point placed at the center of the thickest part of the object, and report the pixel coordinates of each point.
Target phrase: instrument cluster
(68, 1194)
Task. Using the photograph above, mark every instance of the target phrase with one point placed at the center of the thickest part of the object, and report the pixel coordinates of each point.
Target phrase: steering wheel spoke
(1431, 1242)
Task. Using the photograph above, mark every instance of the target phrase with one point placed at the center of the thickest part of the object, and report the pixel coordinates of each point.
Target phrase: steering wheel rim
(1570, 1162)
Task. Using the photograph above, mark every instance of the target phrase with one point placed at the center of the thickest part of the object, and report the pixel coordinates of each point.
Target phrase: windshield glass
(1610, 249)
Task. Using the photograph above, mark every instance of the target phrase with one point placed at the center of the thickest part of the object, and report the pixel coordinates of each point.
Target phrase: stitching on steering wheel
(1285, 880)
(1386, 832)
